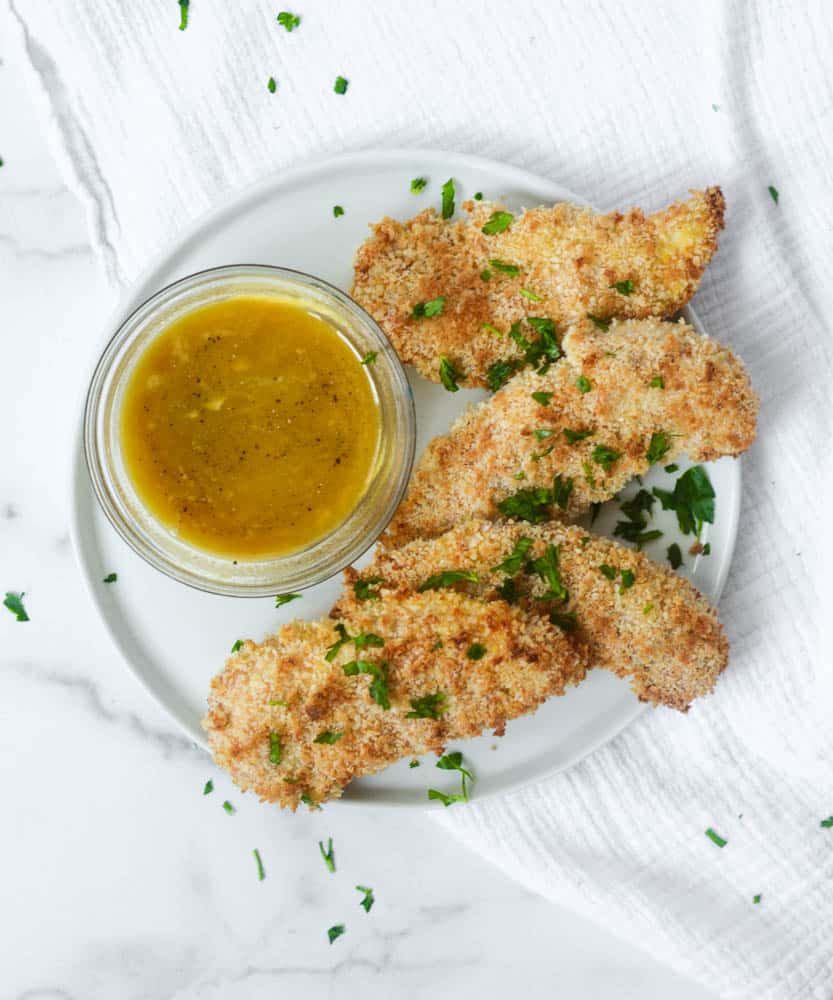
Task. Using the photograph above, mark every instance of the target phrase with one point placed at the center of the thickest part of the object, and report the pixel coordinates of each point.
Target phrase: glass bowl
(161, 547)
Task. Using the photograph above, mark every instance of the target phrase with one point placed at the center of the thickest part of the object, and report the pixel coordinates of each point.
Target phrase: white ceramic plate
(174, 638)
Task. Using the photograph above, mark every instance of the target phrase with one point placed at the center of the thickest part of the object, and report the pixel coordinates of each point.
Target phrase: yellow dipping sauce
(249, 427)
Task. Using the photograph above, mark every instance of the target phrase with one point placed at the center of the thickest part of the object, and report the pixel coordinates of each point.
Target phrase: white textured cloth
(626, 104)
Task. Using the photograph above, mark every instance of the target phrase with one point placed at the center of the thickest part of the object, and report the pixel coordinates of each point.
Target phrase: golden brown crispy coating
(569, 256)
(706, 408)
(660, 631)
(285, 686)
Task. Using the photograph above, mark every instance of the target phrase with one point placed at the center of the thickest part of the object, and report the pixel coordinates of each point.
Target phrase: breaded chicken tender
(561, 263)
(642, 392)
(295, 726)
(653, 627)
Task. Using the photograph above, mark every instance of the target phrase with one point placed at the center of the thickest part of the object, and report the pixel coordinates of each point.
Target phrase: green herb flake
(282, 599)
(452, 762)
(585, 540)
(583, 383)
(773, 193)
(827, 823)
(600, 324)
(418, 184)
(110, 578)
(426, 310)
(546, 566)
(625, 287)
(657, 382)
(447, 800)
(335, 932)
(498, 222)
(478, 196)
(604, 456)
(272, 86)
(607, 571)
(237, 644)
(378, 688)
(658, 447)
(707, 549)
(183, 13)
(414, 763)
(308, 800)
(756, 898)
(329, 737)
(513, 562)
(447, 578)
(288, 21)
(14, 602)
(370, 358)
(542, 397)
(476, 651)
(275, 701)
(508, 590)
(561, 490)
(532, 296)
(228, 808)
(448, 198)
(208, 787)
(573, 437)
(565, 620)
(275, 747)
(692, 499)
(715, 838)
(363, 589)
(486, 275)
(528, 505)
(430, 706)
(438, 644)
(328, 856)
(504, 268)
(542, 433)
(499, 373)
(628, 580)
(672, 467)
(368, 901)
(519, 475)
(341, 85)
(675, 556)
(261, 873)
(649, 607)
(338, 211)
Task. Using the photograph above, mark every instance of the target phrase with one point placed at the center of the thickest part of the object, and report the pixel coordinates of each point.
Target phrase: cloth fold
(626, 105)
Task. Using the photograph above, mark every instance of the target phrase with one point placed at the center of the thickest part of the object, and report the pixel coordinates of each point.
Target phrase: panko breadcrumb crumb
(569, 263)
(639, 379)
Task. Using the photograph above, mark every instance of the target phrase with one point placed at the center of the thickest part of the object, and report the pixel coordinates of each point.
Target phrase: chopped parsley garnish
(536, 456)
(282, 599)
(658, 448)
(335, 932)
(546, 566)
(756, 898)
(486, 275)
(715, 838)
(561, 490)
(625, 287)
(363, 589)
(773, 193)
(478, 196)
(272, 86)
(378, 688)
(430, 706)
(361, 640)
(425, 310)
(370, 358)
(499, 372)
(707, 549)
(208, 788)
(607, 571)
(448, 578)
(637, 510)
(542, 351)
(601, 324)
(288, 21)
(675, 556)
(237, 644)
(591, 482)
(672, 467)
(341, 85)
(632, 532)
(519, 475)
(628, 580)
(328, 856)
(649, 607)
(452, 762)
(110, 578)
(261, 873)
(418, 184)
(575, 436)
(448, 198)
(528, 505)
(414, 763)
(14, 602)
(565, 620)
(657, 382)
(276, 701)
(604, 456)
(827, 823)
(638, 506)
(329, 736)
(504, 268)
(343, 638)
(308, 800)
(337, 211)
(183, 14)
(542, 397)
(692, 500)
(508, 590)
(275, 751)
(542, 433)
(368, 900)
(438, 644)
(476, 651)
(513, 562)
(583, 383)
(498, 222)
(229, 808)
(532, 296)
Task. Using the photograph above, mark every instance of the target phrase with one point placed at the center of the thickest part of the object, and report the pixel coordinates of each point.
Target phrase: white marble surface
(119, 878)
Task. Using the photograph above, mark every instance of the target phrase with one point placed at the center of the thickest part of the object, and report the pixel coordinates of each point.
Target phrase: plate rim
(127, 300)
